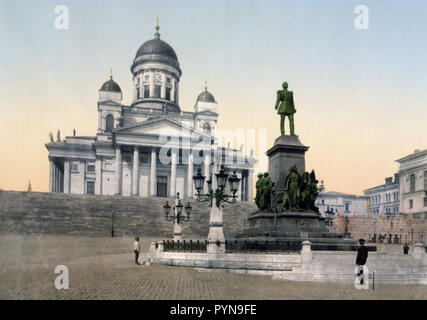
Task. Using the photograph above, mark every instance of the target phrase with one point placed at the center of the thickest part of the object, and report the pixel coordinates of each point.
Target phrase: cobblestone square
(103, 268)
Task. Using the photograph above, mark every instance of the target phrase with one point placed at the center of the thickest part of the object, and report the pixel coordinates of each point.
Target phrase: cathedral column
(118, 170)
(153, 173)
(239, 189)
(55, 178)
(190, 175)
(250, 185)
(66, 176)
(173, 90)
(135, 171)
(51, 170)
(98, 173)
(206, 166)
(173, 173)
(163, 88)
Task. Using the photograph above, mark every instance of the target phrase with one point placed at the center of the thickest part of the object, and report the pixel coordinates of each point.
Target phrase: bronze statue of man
(286, 108)
(292, 194)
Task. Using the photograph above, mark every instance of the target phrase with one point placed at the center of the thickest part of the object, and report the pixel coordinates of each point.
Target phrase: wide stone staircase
(340, 267)
(93, 215)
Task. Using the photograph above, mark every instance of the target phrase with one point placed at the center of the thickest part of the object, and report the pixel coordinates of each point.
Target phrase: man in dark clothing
(136, 249)
(362, 256)
(406, 249)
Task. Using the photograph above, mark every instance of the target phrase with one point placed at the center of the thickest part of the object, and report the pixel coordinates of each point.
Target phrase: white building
(384, 199)
(413, 185)
(332, 203)
(151, 147)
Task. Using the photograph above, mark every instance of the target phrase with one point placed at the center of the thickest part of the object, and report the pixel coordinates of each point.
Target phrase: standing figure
(266, 191)
(58, 136)
(292, 192)
(287, 108)
(362, 256)
(258, 187)
(51, 136)
(136, 249)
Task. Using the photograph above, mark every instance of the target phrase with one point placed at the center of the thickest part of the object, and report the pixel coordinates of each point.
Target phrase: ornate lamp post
(216, 188)
(177, 216)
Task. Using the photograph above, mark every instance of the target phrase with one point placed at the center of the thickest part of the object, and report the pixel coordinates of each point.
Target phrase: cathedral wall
(108, 183)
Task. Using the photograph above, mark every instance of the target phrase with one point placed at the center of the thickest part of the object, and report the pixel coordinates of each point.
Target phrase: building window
(138, 92)
(146, 91)
(146, 77)
(90, 168)
(425, 201)
(347, 206)
(425, 180)
(109, 123)
(411, 204)
(90, 187)
(168, 80)
(168, 93)
(157, 91)
(412, 183)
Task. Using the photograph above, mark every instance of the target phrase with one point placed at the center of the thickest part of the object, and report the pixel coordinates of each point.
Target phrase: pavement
(104, 268)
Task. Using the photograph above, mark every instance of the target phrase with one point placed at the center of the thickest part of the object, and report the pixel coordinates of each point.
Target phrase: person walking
(362, 256)
(136, 249)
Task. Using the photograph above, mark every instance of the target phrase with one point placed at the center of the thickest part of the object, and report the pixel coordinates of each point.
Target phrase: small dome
(206, 96)
(111, 85)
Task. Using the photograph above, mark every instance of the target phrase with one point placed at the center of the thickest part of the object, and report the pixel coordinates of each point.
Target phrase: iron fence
(185, 246)
(262, 246)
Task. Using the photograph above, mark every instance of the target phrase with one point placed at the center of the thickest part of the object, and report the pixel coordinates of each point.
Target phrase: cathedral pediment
(160, 126)
(110, 103)
(207, 113)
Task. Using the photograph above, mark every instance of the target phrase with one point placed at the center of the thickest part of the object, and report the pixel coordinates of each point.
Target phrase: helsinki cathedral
(151, 147)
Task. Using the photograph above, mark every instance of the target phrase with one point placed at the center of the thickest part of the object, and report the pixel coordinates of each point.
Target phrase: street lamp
(218, 194)
(216, 238)
(177, 215)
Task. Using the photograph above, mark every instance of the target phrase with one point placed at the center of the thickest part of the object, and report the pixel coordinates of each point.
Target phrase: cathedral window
(90, 187)
(157, 90)
(168, 93)
(412, 183)
(146, 91)
(109, 123)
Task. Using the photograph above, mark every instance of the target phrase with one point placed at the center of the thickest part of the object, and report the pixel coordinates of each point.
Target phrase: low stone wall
(235, 261)
(307, 265)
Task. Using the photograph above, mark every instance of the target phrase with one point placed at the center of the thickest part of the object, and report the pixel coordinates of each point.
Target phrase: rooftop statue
(286, 108)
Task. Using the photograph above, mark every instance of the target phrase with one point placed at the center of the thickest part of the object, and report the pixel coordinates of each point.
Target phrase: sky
(360, 95)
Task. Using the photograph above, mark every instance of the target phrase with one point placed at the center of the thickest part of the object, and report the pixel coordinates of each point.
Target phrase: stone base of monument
(296, 226)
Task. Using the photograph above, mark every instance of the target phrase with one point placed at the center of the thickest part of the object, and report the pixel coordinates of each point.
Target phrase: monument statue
(292, 193)
(286, 108)
(263, 191)
(51, 136)
(58, 136)
(258, 186)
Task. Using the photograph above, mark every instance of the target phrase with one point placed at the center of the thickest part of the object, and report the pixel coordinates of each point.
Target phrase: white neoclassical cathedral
(152, 147)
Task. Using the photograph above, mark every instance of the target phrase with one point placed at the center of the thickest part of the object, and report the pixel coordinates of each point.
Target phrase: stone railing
(271, 247)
